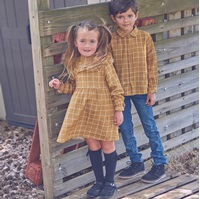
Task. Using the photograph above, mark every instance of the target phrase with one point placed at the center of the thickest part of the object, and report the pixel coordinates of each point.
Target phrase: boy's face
(126, 20)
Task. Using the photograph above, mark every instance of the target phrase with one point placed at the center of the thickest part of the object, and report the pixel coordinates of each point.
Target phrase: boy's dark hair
(120, 6)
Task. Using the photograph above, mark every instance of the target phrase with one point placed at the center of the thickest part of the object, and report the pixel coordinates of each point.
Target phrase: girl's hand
(151, 99)
(55, 83)
(118, 118)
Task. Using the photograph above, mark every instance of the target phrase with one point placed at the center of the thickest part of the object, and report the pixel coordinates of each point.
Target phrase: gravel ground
(15, 143)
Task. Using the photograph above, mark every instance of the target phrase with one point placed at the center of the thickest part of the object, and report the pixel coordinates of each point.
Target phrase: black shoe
(108, 190)
(95, 190)
(156, 173)
(134, 170)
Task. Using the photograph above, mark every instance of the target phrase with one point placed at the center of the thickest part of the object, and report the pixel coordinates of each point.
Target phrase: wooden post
(38, 64)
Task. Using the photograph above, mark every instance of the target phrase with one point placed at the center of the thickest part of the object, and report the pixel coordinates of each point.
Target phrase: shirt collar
(133, 33)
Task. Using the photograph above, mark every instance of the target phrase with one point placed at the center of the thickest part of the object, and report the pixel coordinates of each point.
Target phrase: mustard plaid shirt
(135, 61)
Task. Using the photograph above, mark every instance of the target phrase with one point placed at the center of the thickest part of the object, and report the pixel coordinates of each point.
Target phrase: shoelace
(155, 169)
(130, 164)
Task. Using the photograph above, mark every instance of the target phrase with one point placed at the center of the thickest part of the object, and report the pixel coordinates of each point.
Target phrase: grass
(187, 162)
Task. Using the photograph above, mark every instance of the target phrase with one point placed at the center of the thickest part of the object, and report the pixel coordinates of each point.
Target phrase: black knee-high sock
(97, 164)
(110, 164)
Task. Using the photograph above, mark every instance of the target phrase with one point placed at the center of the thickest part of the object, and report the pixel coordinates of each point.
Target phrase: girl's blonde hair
(72, 53)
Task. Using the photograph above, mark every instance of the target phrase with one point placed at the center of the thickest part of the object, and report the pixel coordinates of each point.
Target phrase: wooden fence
(176, 38)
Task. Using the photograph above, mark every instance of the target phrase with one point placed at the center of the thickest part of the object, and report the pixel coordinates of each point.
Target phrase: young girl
(95, 109)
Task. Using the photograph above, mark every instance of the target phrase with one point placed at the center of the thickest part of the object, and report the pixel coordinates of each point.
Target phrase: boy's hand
(118, 118)
(55, 83)
(151, 99)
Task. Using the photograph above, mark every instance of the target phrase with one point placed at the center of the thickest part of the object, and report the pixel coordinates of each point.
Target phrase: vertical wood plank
(38, 63)
(158, 37)
(187, 30)
(196, 29)
(174, 33)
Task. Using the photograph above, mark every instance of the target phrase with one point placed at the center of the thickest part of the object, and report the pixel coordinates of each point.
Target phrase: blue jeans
(149, 125)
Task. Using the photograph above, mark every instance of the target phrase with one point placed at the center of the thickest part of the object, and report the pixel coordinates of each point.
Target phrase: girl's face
(87, 42)
(126, 20)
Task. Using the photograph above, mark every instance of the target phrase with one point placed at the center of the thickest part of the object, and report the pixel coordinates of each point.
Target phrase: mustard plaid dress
(97, 93)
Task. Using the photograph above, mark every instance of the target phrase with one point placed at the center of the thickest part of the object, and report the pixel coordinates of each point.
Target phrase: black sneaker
(134, 170)
(95, 190)
(108, 190)
(156, 173)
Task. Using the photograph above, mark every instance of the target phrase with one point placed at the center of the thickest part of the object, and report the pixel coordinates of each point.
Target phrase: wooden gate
(176, 38)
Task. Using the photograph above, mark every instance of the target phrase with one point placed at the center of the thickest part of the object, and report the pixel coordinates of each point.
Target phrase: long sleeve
(116, 91)
(68, 87)
(151, 66)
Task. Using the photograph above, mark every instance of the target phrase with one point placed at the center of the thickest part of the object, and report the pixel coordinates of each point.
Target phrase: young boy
(136, 65)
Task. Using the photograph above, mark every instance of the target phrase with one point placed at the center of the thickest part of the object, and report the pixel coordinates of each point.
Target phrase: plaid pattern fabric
(135, 61)
(98, 93)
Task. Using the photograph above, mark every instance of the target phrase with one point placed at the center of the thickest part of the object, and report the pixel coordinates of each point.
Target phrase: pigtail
(71, 53)
(104, 41)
